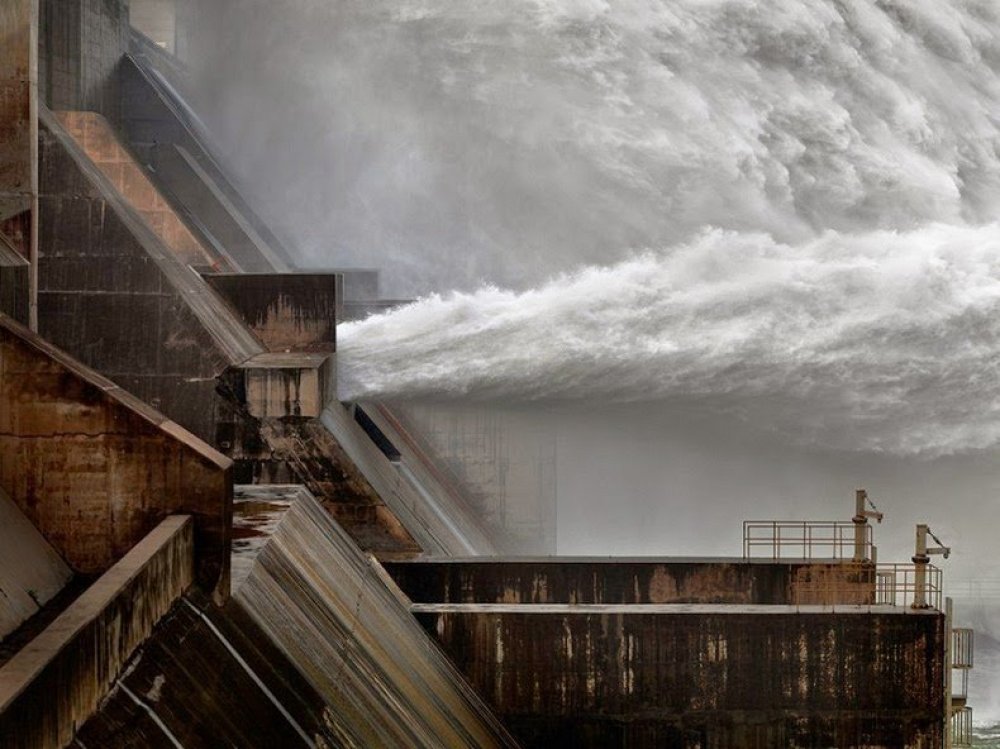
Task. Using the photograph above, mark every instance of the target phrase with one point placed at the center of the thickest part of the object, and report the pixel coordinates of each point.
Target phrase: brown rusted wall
(17, 21)
(53, 686)
(705, 680)
(632, 581)
(105, 300)
(288, 311)
(95, 469)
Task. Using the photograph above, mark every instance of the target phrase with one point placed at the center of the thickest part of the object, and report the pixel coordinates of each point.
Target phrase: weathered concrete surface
(95, 469)
(53, 685)
(212, 676)
(80, 45)
(434, 514)
(95, 137)
(18, 124)
(339, 619)
(116, 297)
(294, 384)
(303, 451)
(504, 461)
(314, 646)
(167, 138)
(287, 311)
(212, 679)
(31, 572)
(639, 580)
(14, 282)
(19, 156)
(641, 678)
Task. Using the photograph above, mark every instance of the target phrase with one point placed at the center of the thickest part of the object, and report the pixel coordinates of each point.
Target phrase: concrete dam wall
(316, 647)
(52, 686)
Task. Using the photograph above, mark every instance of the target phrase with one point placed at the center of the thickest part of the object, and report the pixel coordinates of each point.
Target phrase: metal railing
(962, 647)
(802, 539)
(896, 585)
(961, 727)
(960, 686)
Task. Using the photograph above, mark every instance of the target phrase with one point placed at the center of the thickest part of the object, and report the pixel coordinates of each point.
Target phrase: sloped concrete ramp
(316, 648)
(339, 618)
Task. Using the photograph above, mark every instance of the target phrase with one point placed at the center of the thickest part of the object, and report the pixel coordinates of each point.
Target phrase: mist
(742, 257)
(457, 144)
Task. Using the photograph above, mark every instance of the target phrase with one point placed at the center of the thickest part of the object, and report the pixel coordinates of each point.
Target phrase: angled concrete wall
(503, 461)
(31, 572)
(299, 450)
(287, 311)
(94, 135)
(95, 469)
(53, 685)
(115, 296)
(346, 628)
(207, 678)
(166, 136)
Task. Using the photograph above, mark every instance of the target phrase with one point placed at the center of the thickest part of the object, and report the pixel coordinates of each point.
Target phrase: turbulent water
(782, 210)
(885, 341)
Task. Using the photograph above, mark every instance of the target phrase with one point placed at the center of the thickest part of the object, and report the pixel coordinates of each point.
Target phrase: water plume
(884, 341)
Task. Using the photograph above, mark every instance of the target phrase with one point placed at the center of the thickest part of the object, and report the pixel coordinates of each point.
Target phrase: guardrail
(896, 585)
(962, 647)
(803, 539)
(960, 686)
(961, 727)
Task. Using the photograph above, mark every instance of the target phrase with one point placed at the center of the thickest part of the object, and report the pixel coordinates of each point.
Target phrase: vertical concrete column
(862, 552)
(19, 131)
(920, 562)
(860, 525)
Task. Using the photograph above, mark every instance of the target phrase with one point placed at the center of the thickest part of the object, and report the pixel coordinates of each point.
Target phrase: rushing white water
(885, 341)
(849, 153)
(778, 209)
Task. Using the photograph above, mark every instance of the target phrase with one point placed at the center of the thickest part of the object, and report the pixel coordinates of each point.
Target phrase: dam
(201, 545)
